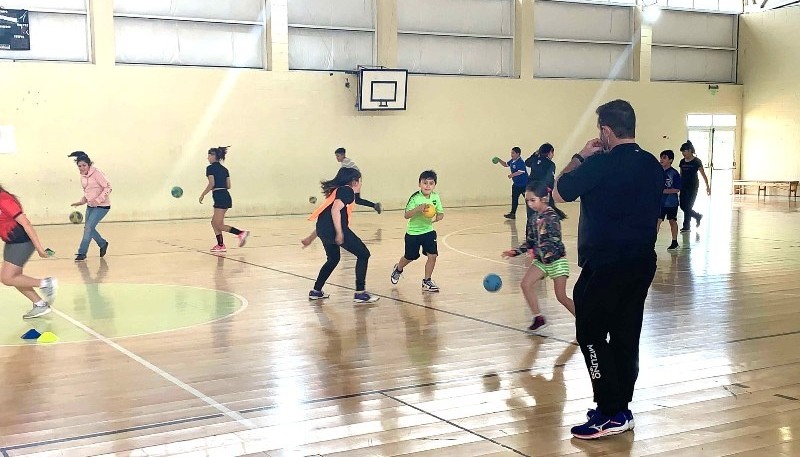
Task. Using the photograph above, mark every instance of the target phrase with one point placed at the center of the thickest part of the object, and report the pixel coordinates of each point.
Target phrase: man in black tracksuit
(620, 187)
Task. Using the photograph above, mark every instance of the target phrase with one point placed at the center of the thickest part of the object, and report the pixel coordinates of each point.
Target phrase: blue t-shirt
(515, 166)
(672, 180)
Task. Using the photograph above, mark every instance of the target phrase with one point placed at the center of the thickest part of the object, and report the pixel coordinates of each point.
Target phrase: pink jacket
(96, 188)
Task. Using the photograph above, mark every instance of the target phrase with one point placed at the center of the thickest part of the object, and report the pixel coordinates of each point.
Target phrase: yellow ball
(429, 211)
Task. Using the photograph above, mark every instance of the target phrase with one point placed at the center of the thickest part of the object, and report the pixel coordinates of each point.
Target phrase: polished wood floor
(451, 374)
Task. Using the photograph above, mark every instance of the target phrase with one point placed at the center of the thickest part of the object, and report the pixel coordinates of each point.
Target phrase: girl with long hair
(219, 181)
(333, 229)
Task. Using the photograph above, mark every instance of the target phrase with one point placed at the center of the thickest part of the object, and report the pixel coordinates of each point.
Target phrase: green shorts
(555, 270)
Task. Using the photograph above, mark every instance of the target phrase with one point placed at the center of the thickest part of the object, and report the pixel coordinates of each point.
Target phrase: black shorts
(669, 213)
(222, 199)
(426, 241)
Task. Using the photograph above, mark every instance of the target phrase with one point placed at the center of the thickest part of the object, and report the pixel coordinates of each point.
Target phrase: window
(711, 120)
(214, 33)
(725, 6)
(692, 46)
(59, 30)
(328, 35)
(456, 37)
(581, 40)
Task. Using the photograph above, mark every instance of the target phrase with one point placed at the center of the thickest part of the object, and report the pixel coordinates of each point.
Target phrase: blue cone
(31, 334)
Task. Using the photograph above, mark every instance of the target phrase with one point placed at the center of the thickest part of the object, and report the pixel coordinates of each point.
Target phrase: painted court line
(177, 382)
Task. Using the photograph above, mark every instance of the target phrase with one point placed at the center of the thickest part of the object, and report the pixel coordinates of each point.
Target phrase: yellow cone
(47, 337)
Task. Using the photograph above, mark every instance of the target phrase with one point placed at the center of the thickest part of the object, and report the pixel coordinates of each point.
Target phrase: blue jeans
(93, 217)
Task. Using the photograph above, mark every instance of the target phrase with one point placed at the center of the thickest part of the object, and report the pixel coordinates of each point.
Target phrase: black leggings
(687, 198)
(352, 244)
(516, 191)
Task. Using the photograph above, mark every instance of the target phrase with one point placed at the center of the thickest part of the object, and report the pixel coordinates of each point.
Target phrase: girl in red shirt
(20, 241)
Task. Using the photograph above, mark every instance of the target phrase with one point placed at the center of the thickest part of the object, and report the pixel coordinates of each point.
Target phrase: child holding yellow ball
(424, 207)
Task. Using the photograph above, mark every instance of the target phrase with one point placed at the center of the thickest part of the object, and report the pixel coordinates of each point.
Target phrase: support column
(524, 64)
(101, 17)
(386, 30)
(277, 35)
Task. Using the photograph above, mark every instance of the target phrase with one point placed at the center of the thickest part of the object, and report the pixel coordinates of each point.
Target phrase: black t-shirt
(689, 172)
(542, 169)
(620, 194)
(325, 230)
(220, 174)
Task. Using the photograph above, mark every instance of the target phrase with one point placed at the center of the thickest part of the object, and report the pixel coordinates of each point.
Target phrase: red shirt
(10, 230)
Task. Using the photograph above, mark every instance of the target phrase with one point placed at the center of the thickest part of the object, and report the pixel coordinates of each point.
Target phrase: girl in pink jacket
(96, 190)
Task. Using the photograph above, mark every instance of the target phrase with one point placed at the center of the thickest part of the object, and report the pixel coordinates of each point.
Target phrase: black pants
(516, 191)
(363, 202)
(352, 244)
(609, 302)
(687, 198)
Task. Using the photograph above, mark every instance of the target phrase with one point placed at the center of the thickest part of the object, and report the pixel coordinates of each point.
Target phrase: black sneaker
(80, 258)
(103, 250)
(673, 246)
(510, 216)
(697, 223)
(378, 208)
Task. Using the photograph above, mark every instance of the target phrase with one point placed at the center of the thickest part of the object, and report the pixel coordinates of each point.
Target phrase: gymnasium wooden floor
(167, 349)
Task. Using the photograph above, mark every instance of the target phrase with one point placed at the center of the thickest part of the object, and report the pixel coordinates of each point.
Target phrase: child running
(219, 181)
(20, 241)
(543, 241)
(333, 229)
(420, 232)
(669, 200)
(96, 190)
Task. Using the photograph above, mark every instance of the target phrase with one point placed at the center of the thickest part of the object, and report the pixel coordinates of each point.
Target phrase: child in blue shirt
(518, 177)
(669, 200)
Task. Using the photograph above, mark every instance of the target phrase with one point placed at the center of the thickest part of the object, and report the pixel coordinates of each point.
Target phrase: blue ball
(492, 282)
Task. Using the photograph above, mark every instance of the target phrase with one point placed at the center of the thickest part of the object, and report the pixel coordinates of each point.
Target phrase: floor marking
(177, 382)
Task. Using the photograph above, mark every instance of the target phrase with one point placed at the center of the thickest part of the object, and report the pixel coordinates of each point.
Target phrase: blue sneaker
(317, 295)
(364, 297)
(628, 415)
(599, 425)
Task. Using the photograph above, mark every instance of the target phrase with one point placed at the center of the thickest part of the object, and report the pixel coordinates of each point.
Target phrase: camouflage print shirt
(543, 236)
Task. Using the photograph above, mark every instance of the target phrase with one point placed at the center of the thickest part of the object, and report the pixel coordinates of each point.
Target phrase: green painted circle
(116, 310)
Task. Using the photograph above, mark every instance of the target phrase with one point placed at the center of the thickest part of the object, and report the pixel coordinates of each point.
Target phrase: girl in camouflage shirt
(544, 245)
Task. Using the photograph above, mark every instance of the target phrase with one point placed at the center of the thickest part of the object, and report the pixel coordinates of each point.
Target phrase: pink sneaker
(243, 237)
(219, 248)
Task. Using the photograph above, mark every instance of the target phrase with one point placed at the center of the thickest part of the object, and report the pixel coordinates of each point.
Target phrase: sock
(40, 303)
(219, 240)
(43, 283)
(235, 231)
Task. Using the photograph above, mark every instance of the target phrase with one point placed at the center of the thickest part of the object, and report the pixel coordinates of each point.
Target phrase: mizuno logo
(594, 368)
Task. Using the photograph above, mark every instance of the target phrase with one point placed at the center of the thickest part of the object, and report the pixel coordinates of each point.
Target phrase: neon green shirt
(420, 224)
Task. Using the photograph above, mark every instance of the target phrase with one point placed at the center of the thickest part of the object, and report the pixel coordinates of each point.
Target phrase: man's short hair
(667, 152)
(339, 151)
(618, 115)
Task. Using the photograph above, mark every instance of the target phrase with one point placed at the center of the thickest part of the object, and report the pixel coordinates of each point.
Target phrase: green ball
(76, 217)
(177, 192)
(495, 159)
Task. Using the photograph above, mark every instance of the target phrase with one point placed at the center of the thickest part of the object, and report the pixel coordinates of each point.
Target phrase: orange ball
(429, 211)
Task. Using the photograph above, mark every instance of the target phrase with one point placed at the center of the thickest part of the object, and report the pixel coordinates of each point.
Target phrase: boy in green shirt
(424, 208)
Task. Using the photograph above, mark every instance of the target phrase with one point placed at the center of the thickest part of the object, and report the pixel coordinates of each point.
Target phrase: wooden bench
(740, 185)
